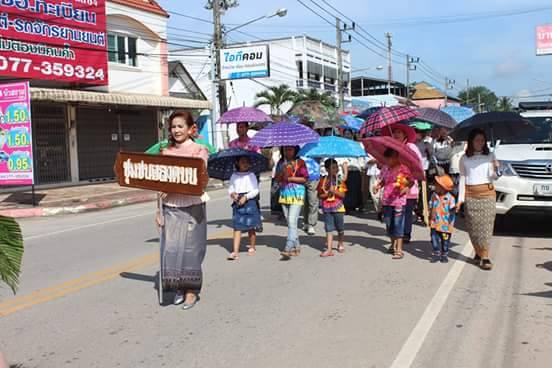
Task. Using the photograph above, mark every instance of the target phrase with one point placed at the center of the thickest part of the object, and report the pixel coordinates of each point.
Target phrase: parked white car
(525, 186)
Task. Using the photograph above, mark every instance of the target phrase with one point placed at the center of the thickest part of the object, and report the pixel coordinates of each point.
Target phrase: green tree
(275, 97)
(325, 98)
(11, 252)
(488, 98)
(505, 104)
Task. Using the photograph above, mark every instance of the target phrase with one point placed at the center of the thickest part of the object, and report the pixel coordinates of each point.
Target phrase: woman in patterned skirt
(183, 221)
(478, 171)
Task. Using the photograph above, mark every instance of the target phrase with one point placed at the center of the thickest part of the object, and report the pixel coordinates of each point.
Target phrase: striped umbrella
(386, 116)
(436, 117)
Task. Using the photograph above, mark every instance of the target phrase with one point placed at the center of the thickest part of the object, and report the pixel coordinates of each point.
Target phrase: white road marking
(149, 213)
(413, 344)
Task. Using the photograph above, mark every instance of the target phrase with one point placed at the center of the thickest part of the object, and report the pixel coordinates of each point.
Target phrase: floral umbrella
(376, 147)
(386, 116)
(314, 111)
(244, 115)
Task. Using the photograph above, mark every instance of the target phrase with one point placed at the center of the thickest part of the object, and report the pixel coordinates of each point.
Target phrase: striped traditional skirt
(183, 247)
(480, 219)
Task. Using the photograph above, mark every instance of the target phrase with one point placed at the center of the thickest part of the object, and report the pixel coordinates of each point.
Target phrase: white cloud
(508, 68)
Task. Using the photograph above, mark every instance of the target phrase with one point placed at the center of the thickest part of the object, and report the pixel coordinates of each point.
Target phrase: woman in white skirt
(478, 171)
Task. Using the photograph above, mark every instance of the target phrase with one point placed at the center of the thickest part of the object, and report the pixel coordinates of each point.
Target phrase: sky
(497, 52)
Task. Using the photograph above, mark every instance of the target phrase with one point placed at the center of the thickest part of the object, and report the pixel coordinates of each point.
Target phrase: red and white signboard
(544, 40)
(63, 40)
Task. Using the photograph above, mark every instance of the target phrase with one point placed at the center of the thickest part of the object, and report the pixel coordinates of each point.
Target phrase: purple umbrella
(284, 134)
(244, 115)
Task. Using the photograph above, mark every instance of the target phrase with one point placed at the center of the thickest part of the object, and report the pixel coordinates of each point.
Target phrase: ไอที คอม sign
(16, 148)
(245, 62)
(544, 40)
(62, 40)
(168, 174)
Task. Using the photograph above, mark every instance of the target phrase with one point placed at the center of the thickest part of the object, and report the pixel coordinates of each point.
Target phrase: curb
(96, 206)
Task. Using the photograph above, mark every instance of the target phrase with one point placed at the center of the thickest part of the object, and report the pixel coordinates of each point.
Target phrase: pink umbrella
(244, 115)
(376, 146)
(407, 130)
(386, 116)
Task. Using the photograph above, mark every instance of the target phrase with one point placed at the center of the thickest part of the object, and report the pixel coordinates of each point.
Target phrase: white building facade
(300, 62)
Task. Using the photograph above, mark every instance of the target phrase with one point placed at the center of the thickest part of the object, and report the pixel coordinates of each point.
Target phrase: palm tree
(313, 94)
(505, 104)
(275, 97)
(11, 252)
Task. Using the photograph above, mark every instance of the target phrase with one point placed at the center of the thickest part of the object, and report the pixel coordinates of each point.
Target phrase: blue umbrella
(369, 111)
(351, 122)
(332, 146)
(458, 113)
(223, 164)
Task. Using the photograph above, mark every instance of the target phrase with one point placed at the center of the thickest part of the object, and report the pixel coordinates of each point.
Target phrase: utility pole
(479, 102)
(409, 68)
(449, 84)
(339, 42)
(389, 62)
(338, 39)
(217, 41)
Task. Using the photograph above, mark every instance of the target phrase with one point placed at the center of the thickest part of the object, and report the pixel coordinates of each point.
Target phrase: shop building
(78, 128)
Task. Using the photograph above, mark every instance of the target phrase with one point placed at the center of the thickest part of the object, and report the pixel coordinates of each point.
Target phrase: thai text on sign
(169, 174)
(62, 40)
(16, 149)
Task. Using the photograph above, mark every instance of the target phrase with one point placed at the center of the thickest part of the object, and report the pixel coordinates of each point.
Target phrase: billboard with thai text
(16, 147)
(544, 40)
(245, 62)
(63, 40)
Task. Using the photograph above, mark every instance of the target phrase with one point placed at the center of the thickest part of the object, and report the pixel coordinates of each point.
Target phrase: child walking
(396, 181)
(243, 190)
(331, 190)
(442, 215)
(292, 175)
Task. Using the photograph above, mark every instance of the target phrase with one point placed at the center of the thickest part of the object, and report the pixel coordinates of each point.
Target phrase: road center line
(414, 343)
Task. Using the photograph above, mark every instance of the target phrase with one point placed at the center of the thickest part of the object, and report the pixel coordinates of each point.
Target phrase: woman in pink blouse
(183, 221)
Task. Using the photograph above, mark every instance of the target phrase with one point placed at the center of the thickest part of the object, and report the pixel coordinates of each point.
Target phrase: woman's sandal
(251, 251)
(233, 257)
(341, 249)
(398, 255)
(295, 252)
(486, 264)
(326, 253)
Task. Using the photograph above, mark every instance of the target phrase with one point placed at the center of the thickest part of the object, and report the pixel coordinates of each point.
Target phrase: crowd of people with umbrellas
(410, 164)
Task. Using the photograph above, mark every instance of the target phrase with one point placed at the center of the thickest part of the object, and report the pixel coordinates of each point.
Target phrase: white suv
(525, 186)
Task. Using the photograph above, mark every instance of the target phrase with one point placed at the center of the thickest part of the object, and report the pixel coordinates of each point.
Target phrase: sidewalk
(83, 198)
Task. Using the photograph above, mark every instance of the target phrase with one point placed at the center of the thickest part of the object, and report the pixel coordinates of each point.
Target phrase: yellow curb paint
(95, 278)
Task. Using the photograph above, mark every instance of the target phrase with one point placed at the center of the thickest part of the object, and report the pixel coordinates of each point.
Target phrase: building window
(122, 49)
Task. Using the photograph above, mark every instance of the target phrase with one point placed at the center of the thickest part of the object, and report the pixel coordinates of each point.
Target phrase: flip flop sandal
(326, 253)
(486, 265)
(398, 256)
(233, 257)
(251, 251)
(341, 249)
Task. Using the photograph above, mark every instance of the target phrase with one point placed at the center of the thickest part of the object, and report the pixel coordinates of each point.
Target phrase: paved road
(87, 299)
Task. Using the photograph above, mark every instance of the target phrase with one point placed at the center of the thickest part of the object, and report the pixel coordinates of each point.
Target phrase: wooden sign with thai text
(168, 174)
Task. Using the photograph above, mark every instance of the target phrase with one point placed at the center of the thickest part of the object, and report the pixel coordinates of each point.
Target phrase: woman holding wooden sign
(183, 221)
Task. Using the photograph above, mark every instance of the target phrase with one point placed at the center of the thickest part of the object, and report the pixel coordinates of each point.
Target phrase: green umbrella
(421, 125)
(156, 148)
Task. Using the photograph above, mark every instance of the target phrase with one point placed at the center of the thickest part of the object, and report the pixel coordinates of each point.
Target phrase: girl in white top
(243, 190)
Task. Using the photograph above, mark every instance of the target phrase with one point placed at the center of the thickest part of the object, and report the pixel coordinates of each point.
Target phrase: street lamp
(282, 12)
